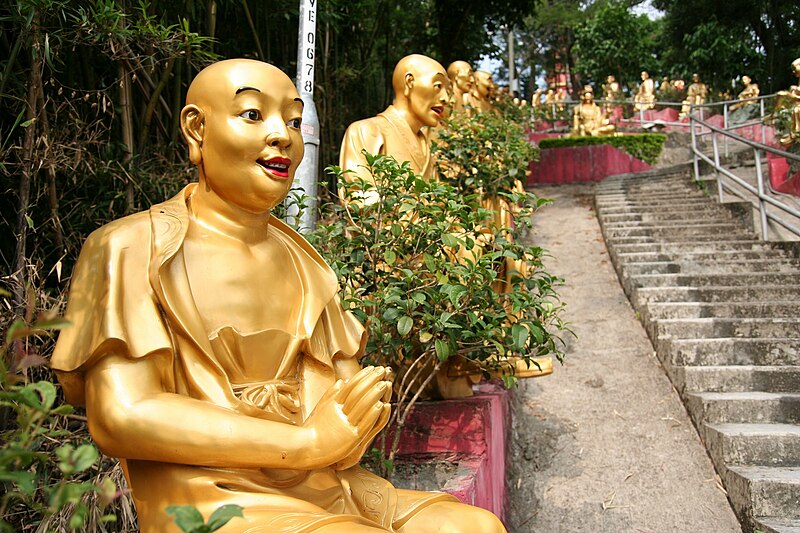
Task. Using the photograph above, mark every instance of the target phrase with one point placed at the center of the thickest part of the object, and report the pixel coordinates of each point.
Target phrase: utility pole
(513, 86)
(305, 182)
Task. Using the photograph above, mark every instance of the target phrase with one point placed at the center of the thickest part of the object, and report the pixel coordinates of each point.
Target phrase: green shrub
(421, 304)
(644, 146)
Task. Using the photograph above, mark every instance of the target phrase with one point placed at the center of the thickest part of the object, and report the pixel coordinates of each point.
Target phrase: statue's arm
(131, 416)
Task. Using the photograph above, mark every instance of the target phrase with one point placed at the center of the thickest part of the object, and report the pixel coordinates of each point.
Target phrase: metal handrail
(759, 192)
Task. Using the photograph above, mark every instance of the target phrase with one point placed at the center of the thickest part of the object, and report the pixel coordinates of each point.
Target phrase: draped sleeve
(111, 306)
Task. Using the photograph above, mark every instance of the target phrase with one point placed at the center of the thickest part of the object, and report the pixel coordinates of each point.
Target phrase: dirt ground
(604, 444)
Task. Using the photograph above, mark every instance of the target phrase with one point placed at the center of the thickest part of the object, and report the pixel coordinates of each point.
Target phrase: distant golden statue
(588, 119)
(611, 93)
(483, 89)
(420, 99)
(646, 94)
(749, 91)
(460, 74)
(695, 95)
(212, 352)
(791, 100)
(536, 99)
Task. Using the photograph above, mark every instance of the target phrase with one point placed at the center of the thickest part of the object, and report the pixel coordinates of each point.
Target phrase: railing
(759, 193)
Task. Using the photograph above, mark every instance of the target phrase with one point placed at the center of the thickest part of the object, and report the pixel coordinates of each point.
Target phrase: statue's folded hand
(348, 416)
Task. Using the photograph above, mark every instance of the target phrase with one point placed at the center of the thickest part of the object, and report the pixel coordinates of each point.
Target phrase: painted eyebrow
(242, 89)
(301, 101)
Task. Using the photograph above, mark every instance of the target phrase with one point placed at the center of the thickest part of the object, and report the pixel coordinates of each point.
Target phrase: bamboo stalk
(253, 29)
(151, 104)
(52, 191)
(126, 120)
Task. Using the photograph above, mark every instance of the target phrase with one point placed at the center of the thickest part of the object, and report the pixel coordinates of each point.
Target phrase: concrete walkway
(604, 444)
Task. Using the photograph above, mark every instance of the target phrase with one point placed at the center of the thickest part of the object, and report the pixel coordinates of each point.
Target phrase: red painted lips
(277, 166)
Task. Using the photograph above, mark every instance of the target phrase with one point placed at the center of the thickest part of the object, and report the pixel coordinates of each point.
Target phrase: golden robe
(130, 296)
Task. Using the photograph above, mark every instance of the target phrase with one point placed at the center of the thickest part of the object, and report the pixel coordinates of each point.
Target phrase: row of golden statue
(589, 119)
(209, 343)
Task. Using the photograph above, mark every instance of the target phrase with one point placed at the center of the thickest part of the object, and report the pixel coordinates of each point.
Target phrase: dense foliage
(644, 146)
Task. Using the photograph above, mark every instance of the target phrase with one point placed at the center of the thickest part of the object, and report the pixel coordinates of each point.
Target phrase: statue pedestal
(459, 447)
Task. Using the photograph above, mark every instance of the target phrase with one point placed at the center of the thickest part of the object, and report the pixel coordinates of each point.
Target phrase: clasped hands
(348, 416)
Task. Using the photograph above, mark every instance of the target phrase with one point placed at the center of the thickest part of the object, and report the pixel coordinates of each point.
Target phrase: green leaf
(223, 515)
(519, 336)
(455, 293)
(419, 297)
(450, 240)
(404, 325)
(25, 480)
(186, 517)
(425, 337)
(389, 256)
(442, 349)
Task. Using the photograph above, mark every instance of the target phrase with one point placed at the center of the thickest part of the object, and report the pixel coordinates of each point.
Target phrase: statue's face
(252, 142)
(428, 98)
(587, 97)
(645, 75)
(483, 84)
(746, 80)
(464, 80)
(695, 78)
(796, 67)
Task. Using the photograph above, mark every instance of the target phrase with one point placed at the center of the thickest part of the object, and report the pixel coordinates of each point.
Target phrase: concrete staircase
(723, 312)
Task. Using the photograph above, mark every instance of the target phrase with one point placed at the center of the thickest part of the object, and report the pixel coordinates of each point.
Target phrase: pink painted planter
(582, 164)
(779, 178)
(472, 432)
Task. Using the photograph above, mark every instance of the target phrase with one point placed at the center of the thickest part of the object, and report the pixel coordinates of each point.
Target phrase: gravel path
(604, 444)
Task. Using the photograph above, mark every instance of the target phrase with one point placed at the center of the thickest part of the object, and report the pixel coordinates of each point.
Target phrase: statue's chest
(249, 289)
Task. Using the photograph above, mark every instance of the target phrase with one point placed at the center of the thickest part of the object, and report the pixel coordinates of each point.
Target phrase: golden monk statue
(588, 119)
(460, 74)
(646, 94)
(695, 95)
(791, 99)
(749, 91)
(420, 99)
(212, 352)
(536, 99)
(611, 94)
(481, 97)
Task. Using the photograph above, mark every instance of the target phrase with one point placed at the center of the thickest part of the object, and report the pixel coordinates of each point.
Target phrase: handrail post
(763, 132)
(761, 206)
(725, 125)
(695, 159)
(715, 143)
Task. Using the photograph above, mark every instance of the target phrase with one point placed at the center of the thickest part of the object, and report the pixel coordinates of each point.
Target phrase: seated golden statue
(750, 90)
(212, 352)
(791, 99)
(460, 74)
(646, 94)
(420, 99)
(481, 98)
(695, 95)
(588, 119)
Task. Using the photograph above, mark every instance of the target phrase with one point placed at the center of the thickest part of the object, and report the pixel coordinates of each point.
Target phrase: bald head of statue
(460, 74)
(420, 90)
(242, 124)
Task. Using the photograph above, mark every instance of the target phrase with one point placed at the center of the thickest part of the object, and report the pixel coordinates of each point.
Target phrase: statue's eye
(295, 123)
(251, 114)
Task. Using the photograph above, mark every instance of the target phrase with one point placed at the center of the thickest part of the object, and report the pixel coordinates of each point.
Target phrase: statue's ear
(193, 126)
(408, 84)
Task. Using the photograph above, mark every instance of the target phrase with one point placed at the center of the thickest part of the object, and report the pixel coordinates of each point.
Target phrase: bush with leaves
(645, 146)
(190, 520)
(40, 480)
(485, 153)
(417, 278)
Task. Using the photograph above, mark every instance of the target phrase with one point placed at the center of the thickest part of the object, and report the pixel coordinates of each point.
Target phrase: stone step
(741, 378)
(713, 328)
(774, 524)
(666, 217)
(688, 230)
(772, 309)
(711, 294)
(711, 267)
(769, 491)
(700, 257)
(712, 280)
(737, 245)
(669, 198)
(729, 351)
(707, 240)
(618, 208)
(743, 407)
(753, 444)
